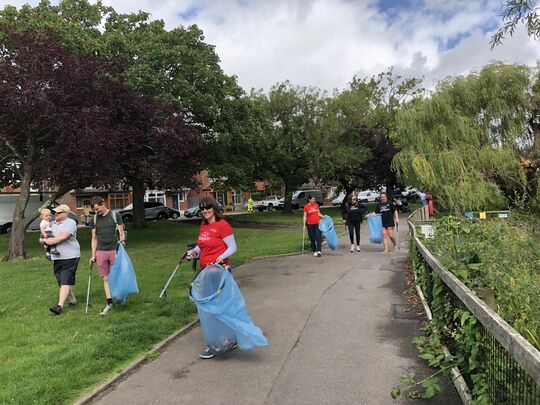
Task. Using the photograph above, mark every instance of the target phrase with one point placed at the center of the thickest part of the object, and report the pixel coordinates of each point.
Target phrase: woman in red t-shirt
(312, 216)
(215, 243)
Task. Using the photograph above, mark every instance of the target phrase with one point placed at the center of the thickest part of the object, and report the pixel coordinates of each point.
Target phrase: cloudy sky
(325, 43)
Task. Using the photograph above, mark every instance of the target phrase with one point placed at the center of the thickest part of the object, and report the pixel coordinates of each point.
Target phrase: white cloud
(326, 42)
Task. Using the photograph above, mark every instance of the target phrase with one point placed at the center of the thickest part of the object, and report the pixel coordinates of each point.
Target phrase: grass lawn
(295, 218)
(50, 359)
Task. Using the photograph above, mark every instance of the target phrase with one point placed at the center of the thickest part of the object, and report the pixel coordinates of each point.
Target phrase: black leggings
(354, 227)
(314, 237)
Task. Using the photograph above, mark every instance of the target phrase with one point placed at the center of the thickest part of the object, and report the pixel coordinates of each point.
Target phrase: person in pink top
(215, 244)
(312, 217)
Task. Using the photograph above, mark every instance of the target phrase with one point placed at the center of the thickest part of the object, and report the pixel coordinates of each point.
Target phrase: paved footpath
(338, 328)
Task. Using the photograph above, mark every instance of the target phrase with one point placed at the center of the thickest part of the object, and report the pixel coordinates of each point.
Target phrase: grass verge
(55, 359)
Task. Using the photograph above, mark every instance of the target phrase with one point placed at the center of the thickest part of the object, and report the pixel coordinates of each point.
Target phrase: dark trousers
(314, 237)
(354, 228)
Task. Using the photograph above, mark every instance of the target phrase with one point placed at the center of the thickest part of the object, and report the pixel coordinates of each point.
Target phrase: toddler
(46, 231)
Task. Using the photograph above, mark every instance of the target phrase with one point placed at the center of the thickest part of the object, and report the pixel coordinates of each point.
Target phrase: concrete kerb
(135, 365)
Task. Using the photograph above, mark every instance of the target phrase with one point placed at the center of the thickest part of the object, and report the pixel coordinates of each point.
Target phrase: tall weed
(503, 255)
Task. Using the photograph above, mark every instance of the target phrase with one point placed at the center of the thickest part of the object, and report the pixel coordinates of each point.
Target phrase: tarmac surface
(339, 331)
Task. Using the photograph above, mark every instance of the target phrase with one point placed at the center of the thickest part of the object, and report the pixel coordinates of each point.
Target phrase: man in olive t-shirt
(107, 232)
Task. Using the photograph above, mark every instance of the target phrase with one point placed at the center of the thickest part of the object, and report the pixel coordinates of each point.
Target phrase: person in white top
(45, 229)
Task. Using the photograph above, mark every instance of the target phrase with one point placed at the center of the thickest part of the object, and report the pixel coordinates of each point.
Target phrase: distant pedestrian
(389, 217)
(66, 261)
(312, 217)
(250, 204)
(215, 244)
(431, 208)
(423, 199)
(45, 229)
(107, 232)
(354, 211)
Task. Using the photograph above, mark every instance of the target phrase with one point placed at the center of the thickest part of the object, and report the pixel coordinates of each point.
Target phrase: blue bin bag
(122, 278)
(375, 228)
(326, 226)
(222, 311)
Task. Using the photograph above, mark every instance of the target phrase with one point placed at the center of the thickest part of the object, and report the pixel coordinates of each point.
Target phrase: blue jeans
(314, 237)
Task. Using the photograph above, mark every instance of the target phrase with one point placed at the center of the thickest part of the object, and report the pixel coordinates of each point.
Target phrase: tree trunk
(287, 209)
(138, 203)
(16, 249)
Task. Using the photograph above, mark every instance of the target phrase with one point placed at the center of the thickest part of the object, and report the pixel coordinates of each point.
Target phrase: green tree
(175, 65)
(356, 140)
(293, 115)
(515, 12)
(474, 142)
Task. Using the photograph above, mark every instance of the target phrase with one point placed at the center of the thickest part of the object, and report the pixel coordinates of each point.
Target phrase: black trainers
(56, 309)
(54, 252)
(206, 354)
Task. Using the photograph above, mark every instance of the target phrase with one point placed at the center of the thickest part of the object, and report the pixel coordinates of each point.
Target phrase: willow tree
(514, 13)
(474, 142)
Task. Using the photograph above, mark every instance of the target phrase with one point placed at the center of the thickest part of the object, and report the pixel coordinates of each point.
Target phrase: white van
(300, 197)
(7, 207)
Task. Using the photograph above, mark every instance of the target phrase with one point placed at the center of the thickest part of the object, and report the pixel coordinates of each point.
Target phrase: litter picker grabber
(303, 239)
(397, 236)
(88, 290)
(164, 291)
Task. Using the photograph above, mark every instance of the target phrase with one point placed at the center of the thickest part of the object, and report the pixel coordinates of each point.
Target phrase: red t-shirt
(312, 213)
(211, 241)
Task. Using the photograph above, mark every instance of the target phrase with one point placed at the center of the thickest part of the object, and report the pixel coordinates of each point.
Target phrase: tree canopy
(515, 12)
(473, 142)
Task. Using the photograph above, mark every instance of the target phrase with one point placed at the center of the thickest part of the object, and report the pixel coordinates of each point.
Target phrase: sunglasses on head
(206, 207)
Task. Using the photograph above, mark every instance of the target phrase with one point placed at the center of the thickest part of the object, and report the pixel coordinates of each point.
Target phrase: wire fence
(509, 366)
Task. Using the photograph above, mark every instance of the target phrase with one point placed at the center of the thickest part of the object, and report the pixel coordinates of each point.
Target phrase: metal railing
(509, 363)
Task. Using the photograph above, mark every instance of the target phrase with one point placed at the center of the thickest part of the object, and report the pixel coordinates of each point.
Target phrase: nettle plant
(500, 256)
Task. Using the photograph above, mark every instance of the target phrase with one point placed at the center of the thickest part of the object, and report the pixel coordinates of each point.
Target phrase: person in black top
(389, 216)
(354, 213)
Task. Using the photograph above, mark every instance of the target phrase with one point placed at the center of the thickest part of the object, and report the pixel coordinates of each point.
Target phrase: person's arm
(231, 248)
(305, 218)
(396, 216)
(56, 239)
(42, 231)
(121, 233)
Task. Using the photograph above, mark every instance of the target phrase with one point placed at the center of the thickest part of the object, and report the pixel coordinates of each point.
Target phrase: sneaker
(54, 252)
(319, 254)
(315, 254)
(72, 304)
(358, 248)
(106, 309)
(352, 248)
(56, 309)
(48, 256)
(206, 354)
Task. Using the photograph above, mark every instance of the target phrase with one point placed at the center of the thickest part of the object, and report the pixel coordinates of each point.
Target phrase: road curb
(134, 366)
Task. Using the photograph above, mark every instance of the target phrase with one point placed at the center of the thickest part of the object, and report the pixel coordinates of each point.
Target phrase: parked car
(368, 196)
(196, 211)
(152, 211)
(35, 200)
(338, 200)
(173, 213)
(269, 203)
